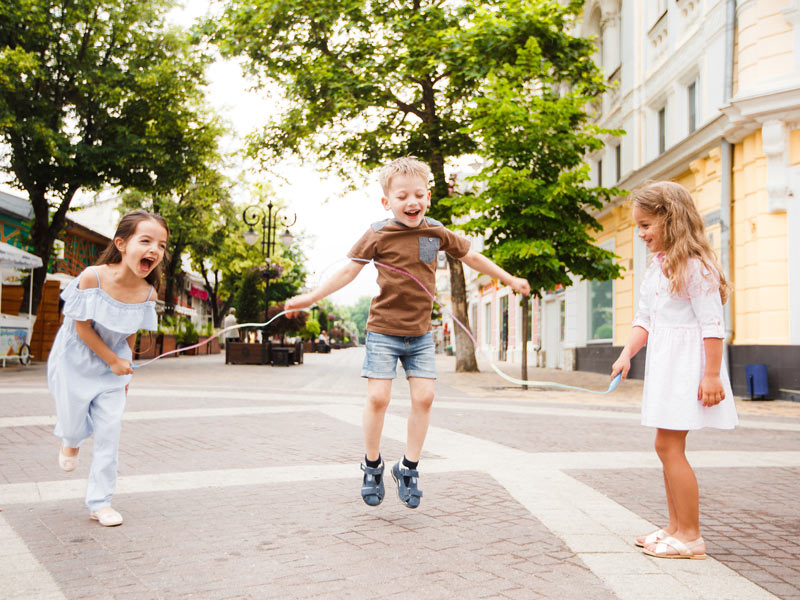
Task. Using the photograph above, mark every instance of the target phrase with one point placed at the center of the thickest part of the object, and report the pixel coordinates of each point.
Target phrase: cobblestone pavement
(242, 482)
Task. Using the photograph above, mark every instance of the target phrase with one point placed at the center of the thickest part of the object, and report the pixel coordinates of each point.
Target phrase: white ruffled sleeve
(702, 286)
(642, 318)
(93, 304)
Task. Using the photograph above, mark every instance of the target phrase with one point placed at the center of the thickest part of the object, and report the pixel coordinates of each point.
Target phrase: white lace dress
(675, 361)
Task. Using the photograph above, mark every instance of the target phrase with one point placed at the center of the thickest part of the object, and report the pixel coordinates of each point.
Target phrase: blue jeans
(417, 354)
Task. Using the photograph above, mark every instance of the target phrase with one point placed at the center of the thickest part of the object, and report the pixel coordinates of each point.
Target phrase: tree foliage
(371, 81)
(194, 212)
(535, 207)
(96, 93)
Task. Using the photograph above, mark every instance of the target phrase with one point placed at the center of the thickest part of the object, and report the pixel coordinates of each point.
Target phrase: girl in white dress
(686, 384)
(89, 366)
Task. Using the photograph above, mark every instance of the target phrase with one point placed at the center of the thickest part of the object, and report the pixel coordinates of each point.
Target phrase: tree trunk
(465, 350)
(44, 232)
(525, 311)
(171, 269)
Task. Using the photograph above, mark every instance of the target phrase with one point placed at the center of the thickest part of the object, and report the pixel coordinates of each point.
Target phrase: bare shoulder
(88, 278)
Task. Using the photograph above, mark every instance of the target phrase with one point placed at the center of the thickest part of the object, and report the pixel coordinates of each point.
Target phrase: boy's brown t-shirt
(402, 308)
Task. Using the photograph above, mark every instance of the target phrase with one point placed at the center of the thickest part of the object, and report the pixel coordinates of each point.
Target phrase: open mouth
(146, 264)
(413, 214)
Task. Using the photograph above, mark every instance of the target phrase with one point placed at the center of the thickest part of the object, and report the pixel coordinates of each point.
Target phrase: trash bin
(757, 384)
(280, 357)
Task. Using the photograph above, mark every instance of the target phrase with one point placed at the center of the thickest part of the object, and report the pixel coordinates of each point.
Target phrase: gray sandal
(372, 490)
(406, 480)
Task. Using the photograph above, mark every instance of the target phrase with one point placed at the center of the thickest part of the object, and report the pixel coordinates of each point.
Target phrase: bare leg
(67, 451)
(681, 485)
(670, 527)
(420, 416)
(379, 392)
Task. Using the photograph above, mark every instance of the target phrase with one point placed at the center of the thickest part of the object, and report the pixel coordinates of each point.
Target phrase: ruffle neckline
(97, 305)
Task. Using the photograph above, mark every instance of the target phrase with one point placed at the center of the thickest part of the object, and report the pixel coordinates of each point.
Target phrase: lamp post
(270, 222)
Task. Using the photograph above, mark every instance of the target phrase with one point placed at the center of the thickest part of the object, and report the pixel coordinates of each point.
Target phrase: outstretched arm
(340, 279)
(477, 261)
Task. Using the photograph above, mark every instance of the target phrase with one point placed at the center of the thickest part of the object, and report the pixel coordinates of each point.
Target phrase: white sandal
(651, 538)
(107, 517)
(67, 463)
(681, 550)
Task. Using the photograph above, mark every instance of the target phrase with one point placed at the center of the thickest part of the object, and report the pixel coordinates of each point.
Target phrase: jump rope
(611, 387)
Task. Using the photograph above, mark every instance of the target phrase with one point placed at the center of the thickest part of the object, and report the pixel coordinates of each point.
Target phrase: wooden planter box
(211, 347)
(148, 345)
(243, 353)
(190, 352)
(169, 342)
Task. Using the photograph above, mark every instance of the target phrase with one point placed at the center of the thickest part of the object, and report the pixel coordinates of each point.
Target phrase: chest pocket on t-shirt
(428, 247)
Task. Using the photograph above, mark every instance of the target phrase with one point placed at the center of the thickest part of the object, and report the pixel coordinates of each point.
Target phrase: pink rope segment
(219, 333)
(611, 387)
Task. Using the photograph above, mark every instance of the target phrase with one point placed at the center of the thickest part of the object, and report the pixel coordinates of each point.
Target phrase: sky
(330, 218)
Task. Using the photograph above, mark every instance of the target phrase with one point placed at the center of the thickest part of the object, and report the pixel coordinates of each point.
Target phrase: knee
(422, 401)
(666, 448)
(378, 401)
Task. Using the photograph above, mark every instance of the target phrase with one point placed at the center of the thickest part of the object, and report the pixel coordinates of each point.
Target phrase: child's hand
(301, 301)
(623, 365)
(711, 392)
(520, 286)
(121, 367)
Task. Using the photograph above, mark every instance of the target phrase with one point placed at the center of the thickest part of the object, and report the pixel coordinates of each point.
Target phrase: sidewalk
(242, 482)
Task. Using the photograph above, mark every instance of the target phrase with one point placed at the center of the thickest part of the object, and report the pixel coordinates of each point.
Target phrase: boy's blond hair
(406, 165)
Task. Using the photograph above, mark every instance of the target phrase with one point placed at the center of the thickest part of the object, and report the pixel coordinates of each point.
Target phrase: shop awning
(12, 257)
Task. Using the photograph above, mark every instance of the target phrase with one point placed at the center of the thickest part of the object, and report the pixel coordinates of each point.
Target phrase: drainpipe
(726, 175)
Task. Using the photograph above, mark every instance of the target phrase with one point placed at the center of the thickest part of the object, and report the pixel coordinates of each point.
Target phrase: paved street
(243, 482)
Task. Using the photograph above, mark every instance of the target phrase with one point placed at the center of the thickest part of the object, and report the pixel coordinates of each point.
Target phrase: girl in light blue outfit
(89, 367)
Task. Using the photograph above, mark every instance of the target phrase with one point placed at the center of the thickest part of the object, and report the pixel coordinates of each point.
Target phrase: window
(692, 97)
(600, 173)
(601, 310)
(662, 130)
(487, 321)
(562, 310)
(618, 161)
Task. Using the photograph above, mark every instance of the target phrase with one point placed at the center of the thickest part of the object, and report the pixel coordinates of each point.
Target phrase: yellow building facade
(710, 99)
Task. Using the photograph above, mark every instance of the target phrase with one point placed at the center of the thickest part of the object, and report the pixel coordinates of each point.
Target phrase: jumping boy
(400, 316)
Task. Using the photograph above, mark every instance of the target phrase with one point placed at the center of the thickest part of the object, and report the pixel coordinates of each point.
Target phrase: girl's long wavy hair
(126, 228)
(682, 233)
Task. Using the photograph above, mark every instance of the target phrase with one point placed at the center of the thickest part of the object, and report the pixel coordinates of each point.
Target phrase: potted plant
(212, 347)
(309, 334)
(147, 344)
(187, 335)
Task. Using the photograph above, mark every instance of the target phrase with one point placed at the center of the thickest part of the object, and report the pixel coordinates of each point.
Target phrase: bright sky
(330, 218)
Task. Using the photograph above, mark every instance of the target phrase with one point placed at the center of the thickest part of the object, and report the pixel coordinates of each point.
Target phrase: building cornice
(740, 118)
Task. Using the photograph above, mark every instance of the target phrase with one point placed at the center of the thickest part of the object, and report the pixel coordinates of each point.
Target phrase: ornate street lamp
(270, 221)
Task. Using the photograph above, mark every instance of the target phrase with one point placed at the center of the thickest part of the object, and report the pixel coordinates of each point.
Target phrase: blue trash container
(757, 384)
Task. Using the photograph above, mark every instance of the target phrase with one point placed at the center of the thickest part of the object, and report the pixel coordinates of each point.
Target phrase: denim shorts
(416, 353)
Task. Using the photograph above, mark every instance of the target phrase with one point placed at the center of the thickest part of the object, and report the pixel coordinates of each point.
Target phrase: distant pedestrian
(230, 321)
(686, 384)
(89, 367)
(399, 324)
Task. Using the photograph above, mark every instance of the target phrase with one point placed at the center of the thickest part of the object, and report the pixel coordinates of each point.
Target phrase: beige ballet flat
(107, 517)
(67, 463)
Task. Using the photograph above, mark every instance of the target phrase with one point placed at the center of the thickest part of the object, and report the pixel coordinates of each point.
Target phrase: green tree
(294, 274)
(535, 207)
(249, 300)
(358, 314)
(96, 93)
(192, 212)
(371, 81)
